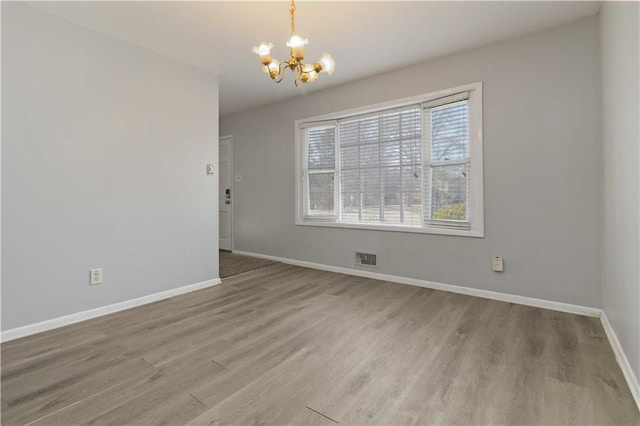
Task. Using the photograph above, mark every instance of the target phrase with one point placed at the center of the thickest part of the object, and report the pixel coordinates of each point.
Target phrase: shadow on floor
(234, 264)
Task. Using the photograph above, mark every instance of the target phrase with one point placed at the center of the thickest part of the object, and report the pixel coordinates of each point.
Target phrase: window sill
(474, 233)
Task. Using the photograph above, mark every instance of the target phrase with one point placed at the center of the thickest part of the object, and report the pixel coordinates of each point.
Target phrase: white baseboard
(622, 359)
(632, 381)
(493, 295)
(39, 327)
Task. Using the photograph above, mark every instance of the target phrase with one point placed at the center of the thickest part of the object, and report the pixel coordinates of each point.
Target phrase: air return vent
(366, 259)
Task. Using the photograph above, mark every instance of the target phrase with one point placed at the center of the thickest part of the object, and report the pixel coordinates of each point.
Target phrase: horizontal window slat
(446, 162)
(449, 224)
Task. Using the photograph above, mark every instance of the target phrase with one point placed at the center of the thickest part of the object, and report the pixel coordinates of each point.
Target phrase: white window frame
(476, 187)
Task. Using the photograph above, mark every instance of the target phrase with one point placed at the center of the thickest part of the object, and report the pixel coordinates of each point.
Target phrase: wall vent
(366, 259)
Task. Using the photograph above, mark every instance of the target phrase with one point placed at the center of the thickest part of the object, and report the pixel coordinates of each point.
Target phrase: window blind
(381, 167)
(447, 162)
(320, 153)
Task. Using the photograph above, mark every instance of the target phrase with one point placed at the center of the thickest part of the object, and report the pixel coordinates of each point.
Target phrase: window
(320, 167)
(415, 166)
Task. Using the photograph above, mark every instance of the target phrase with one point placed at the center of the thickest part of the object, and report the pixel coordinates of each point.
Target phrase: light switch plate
(209, 169)
(497, 264)
(237, 178)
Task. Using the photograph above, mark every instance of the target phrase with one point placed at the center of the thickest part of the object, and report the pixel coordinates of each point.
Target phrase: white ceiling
(365, 38)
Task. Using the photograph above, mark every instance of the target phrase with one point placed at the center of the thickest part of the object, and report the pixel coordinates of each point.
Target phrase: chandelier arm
(298, 71)
(280, 75)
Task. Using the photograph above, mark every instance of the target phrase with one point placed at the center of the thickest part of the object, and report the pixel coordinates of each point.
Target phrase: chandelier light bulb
(297, 41)
(273, 69)
(264, 52)
(328, 63)
(297, 46)
(312, 76)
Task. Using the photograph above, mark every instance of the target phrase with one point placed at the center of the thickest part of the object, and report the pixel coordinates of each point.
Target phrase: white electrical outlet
(237, 178)
(96, 276)
(498, 264)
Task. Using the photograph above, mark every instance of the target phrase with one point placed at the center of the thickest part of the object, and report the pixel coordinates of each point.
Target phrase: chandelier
(304, 73)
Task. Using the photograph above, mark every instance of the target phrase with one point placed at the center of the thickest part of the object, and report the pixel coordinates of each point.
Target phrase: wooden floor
(289, 345)
(234, 264)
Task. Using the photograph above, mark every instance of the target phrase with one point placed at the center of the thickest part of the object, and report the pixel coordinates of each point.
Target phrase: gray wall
(619, 24)
(543, 171)
(104, 147)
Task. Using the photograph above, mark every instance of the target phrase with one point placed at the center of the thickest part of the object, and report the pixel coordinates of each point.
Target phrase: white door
(225, 211)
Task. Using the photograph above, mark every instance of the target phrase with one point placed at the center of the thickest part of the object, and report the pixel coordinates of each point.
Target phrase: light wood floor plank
(290, 345)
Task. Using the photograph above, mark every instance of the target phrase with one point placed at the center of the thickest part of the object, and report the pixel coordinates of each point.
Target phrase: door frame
(228, 138)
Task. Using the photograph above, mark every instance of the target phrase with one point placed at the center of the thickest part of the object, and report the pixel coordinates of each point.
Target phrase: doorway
(225, 209)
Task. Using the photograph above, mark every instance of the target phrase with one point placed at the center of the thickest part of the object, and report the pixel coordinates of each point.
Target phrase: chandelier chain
(292, 11)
